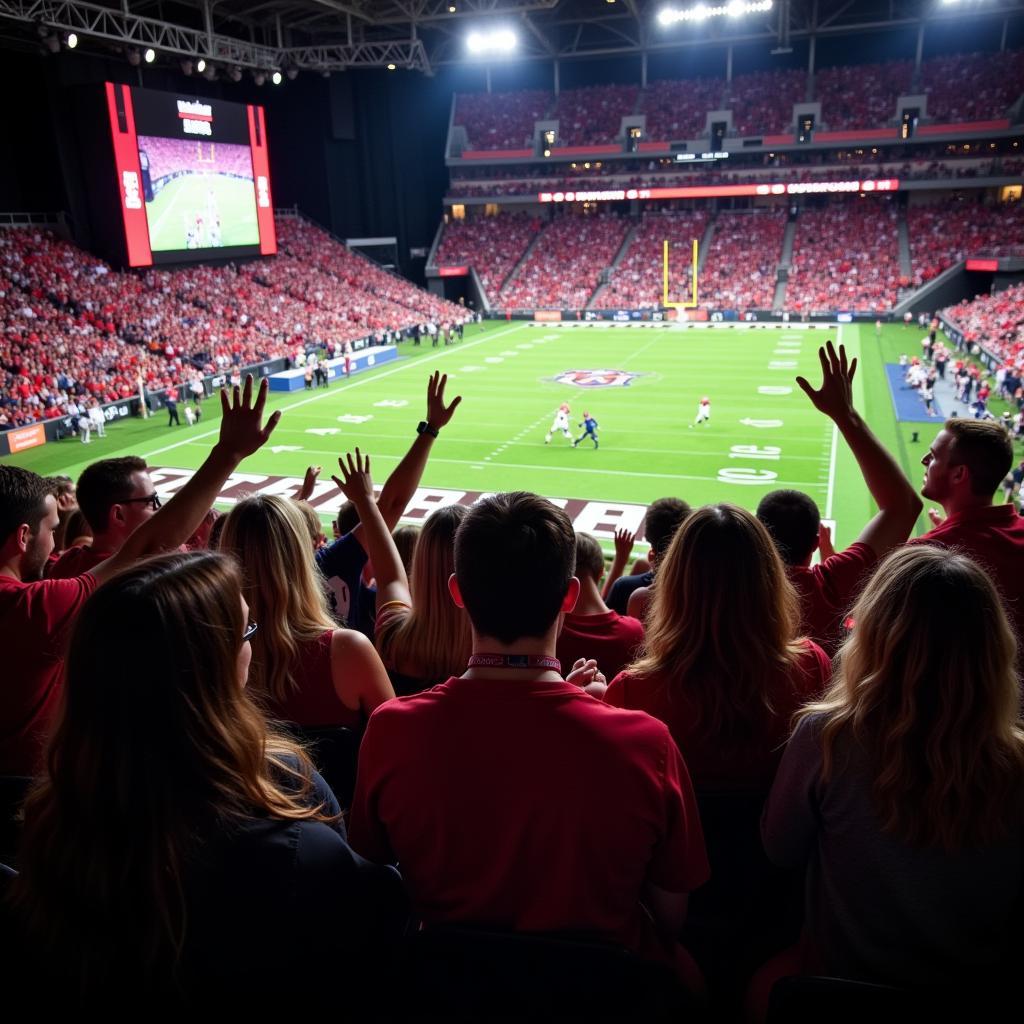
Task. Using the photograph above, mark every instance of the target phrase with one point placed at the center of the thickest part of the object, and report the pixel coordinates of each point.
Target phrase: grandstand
(459, 279)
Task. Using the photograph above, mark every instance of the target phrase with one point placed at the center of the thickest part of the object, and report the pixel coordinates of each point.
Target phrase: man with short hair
(36, 615)
(828, 589)
(483, 788)
(592, 629)
(964, 467)
(115, 496)
(664, 516)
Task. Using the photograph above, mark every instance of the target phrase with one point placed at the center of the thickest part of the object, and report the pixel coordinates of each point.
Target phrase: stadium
(682, 583)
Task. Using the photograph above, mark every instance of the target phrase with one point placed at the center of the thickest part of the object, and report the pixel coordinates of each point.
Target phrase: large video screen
(194, 176)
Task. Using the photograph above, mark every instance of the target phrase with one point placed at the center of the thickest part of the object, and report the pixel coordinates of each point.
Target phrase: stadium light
(149, 55)
(259, 77)
(187, 67)
(277, 78)
(71, 40)
(669, 16)
(392, 67)
(52, 42)
(235, 74)
(292, 73)
(134, 57)
(201, 65)
(499, 40)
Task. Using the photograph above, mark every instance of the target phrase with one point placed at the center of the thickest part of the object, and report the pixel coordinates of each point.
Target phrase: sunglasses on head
(152, 500)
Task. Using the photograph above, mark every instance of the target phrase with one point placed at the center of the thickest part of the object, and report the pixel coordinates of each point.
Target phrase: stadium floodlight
(499, 40)
(187, 66)
(134, 57)
(669, 16)
(149, 55)
(201, 65)
(292, 72)
(235, 74)
(277, 78)
(71, 40)
(392, 67)
(259, 77)
(52, 42)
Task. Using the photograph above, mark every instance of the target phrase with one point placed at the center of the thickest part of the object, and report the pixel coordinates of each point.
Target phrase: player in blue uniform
(589, 426)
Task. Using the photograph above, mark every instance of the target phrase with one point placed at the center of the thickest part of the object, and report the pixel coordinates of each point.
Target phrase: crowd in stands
(727, 790)
(972, 86)
(861, 95)
(944, 233)
(593, 114)
(739, 270)
(493, 245)
(678, 109)
(762, 101)
(72, 328)
(845, 256)
(501, 120)
(637, 282)
(563, 268)
(995, 321)
(169, 157)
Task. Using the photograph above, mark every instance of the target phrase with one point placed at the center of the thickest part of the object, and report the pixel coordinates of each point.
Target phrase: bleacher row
(845, 256)
(69, 325)
(959, 87)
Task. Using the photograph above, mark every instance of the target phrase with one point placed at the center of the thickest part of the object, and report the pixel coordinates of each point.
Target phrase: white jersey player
(703, 411)
(561, 423)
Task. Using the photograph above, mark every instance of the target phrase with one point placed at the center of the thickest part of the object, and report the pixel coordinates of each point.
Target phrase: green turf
(180, 200)
(648, 450)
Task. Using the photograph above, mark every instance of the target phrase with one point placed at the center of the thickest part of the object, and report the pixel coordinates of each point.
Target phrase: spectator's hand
(586, 675)
(936, 517)
(355, 482)
(241, 432)
(67, 502)
(825, 548)
(439, 414)
(835, 396)
(623, 545)
(308, 483)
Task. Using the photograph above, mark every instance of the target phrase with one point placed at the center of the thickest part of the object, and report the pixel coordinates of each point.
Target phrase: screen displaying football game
(193, 175)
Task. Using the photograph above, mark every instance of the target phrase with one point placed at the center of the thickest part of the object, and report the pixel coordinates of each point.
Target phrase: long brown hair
(724, 617)
(269, 537)
(925, 683)
(157, 747)
(435, 640)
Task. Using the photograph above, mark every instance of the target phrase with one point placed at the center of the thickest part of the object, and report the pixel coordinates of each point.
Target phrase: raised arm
(355, 483)
(241, 433)
(623, 549)
(898, 503)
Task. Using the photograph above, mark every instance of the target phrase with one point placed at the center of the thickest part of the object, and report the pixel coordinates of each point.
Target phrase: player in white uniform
(703, 411)
(561, 423)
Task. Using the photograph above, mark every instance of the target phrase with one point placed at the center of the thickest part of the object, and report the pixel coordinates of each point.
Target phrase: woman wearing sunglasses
(176, 845)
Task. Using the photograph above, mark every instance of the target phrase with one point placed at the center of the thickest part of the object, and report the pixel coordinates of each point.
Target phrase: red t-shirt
(828, 590)
(75, 561)
(994, 538)
(527, 806)
(711, 764)
(35, 620)
(611, 639)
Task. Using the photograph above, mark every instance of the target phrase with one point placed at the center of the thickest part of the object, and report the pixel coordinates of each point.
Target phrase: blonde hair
(434, 640)
(723, 618)
(269, 537)
(143, 767)
(936, 710)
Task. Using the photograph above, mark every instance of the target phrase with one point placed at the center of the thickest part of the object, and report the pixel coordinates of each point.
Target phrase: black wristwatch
(423, 427)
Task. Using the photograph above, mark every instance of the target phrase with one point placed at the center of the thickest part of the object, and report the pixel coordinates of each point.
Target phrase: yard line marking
(350, 384)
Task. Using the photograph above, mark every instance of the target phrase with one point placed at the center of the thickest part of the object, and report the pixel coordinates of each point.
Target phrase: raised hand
(835, 396)
(242, 430)
(355, 482)
(825, 548)
(623, 544)
(438, 414)
(308, 483)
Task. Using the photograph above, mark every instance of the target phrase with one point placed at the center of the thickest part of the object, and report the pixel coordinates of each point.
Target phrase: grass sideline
(507, 375)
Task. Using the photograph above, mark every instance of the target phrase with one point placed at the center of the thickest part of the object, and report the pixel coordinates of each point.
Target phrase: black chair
(13, 789)
(472, 974)
(335, 752)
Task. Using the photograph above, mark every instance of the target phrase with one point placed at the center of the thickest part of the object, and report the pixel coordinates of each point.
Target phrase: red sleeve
(366, 833)
(50, 608)
(816, 671)
(616, 692)
(680, 861)
(838, 578)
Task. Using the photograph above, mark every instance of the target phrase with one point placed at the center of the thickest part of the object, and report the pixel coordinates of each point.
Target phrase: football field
(642, 384)
(180, 200)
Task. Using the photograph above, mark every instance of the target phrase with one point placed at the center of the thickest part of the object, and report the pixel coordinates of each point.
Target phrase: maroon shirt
(611, 639)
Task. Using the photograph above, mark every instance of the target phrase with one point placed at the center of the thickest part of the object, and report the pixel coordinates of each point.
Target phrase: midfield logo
(597, 378)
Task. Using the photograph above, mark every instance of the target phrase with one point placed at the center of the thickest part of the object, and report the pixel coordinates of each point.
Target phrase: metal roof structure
(421, 35)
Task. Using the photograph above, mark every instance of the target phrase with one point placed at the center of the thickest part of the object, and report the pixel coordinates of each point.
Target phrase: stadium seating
(763, 100)
(972, 87)
(637, 282)
(564, 267)
(942, 234)
(501, 120)
(863, 95)
(492, 245)
(168, 157)
(995, 321)
(593, 115)
(739, 268)
(845, 256)
(678, 109)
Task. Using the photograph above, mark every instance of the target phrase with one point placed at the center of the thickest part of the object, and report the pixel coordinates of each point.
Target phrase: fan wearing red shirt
(115, 496)
(964, 467)
(828, 590)
(483, 788)
(592, 629)
(36, 614)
